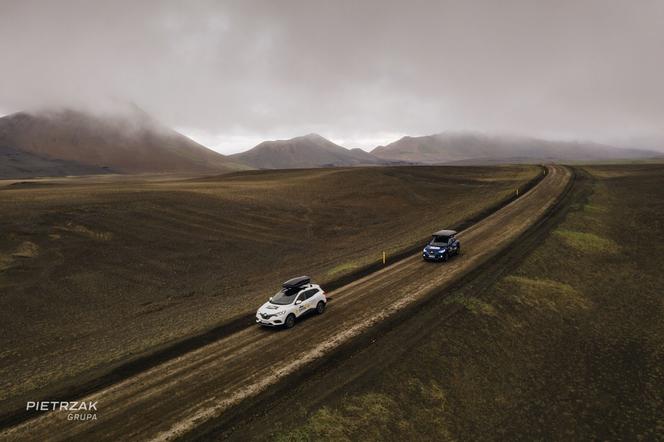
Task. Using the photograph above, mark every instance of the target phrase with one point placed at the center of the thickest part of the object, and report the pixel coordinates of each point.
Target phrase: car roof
(445, 233)
(296, 282)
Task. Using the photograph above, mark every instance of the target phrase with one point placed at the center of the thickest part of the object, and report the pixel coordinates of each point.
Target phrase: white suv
(296, 297)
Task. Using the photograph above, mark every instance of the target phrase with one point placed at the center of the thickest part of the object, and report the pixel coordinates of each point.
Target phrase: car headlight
(280, 313)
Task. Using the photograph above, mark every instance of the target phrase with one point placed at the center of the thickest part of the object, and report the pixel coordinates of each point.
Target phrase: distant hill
(474, 148)
(304, 152)
(81, 142)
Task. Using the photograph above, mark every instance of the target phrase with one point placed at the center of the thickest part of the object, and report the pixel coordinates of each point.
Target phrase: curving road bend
(169, 400)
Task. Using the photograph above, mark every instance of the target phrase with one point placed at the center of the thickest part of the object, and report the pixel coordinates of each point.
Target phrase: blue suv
(443, 244)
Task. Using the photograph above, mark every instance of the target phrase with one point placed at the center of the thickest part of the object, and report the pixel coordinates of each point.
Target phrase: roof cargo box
(296, 282)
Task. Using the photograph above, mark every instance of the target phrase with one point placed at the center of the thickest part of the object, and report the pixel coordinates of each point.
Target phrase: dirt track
(169, 400)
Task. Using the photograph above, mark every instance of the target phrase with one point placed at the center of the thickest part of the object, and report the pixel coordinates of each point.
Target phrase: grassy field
(92, 273)
(568, 344)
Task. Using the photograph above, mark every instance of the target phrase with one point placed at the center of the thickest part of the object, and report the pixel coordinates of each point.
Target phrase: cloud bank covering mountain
(73, 142)
(237, 72)
(476, 148)
(65, 141)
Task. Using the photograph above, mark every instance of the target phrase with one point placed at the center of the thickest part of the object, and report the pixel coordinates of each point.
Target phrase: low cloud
(360, 72)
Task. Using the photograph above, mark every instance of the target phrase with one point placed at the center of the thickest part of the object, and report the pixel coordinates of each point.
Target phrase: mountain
(19, 164)
(123, 143)
(475, 148)
(304, 152)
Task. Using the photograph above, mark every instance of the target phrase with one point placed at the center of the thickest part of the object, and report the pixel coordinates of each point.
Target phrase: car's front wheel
(320, 308)
(446, 256)
(290, 321)
(458, 250)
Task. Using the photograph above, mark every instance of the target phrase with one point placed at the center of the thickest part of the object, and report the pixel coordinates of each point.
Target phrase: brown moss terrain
(94, 273)
(563, 343)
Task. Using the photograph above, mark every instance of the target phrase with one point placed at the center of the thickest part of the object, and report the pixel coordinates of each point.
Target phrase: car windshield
(285, 296)
(439, 240)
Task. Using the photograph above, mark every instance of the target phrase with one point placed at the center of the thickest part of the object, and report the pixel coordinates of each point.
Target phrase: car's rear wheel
(458, 250)
(320, 308)
(290, 321)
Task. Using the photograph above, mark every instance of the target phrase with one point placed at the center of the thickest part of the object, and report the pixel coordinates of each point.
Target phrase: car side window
(302, 296)
(309, 293)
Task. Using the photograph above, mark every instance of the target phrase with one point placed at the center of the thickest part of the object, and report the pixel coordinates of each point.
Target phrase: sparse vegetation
(111, 269)
(475, 305)
(343, 268)
(567, 346)
(559, 296)
(588, 242)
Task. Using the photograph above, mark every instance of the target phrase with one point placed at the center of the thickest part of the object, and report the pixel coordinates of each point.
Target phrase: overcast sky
(362, 73)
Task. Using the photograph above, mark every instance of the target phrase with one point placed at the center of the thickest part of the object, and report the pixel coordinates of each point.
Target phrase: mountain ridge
(133, 143)
(455, 147)
(73, 142)
(306, 151)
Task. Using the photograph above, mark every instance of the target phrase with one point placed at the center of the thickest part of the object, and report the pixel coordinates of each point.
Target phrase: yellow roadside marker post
(517, 191)
(383, 257)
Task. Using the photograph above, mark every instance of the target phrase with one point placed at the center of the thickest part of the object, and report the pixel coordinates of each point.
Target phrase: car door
(305, 300)
(312, 298)
(453, 244)
(301, 303)
(309, 300)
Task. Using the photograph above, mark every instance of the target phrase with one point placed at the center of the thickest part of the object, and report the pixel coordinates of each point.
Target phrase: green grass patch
(366, 414)
(587, 242)
(545, 294)
(476, 306)
(5, 261)
(595, 209)
(27, 249)
(343, 268)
